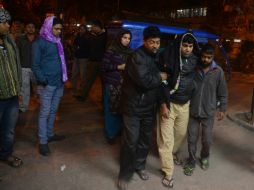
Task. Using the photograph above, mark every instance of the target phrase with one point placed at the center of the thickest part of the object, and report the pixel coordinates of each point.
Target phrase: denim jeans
(50, 97)
(9, 112)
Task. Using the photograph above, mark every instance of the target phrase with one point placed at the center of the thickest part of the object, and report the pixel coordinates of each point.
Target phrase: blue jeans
(9, 112)
(50, 97)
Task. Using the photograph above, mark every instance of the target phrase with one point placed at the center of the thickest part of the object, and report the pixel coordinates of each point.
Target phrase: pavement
(84, 160)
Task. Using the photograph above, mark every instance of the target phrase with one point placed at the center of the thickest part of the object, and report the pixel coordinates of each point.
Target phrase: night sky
(96, 7)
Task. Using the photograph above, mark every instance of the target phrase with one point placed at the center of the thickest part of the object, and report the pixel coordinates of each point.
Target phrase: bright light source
(227, 40)
(237, 40)
(78, 24)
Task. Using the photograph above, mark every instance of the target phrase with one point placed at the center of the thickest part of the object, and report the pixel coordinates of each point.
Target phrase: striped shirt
(9, 70)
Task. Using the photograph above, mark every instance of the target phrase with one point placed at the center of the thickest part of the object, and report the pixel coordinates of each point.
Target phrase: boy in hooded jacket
(179, 61)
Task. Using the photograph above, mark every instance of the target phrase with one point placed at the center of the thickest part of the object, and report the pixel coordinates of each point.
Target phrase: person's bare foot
(122, 184)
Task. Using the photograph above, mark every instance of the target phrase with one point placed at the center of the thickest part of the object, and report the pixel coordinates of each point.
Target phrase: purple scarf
(47, 34)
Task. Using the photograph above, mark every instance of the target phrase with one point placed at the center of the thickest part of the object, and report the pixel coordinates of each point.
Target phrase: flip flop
(167, 182)
(13, 161)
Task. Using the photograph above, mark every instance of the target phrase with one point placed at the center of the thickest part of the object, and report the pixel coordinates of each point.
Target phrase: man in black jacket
(80, 66)
(141, 84)
(97, 46)
(179, 62)
(209, 98)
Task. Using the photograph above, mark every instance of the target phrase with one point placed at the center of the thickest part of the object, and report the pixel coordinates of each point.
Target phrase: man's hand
(220, 115)
(164, 111)
(121, 67)
(163, 75)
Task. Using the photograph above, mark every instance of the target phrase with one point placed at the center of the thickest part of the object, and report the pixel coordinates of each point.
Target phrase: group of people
(181, 86)
(180, 89)
(31, 58)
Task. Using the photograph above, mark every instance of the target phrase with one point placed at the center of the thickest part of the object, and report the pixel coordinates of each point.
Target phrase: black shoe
(44, 149)
(111, 141)
(80, 98)
(142, 174)
(56, 137)
(122, 184)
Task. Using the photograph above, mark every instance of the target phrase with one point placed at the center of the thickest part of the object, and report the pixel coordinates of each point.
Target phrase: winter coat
(141, 84)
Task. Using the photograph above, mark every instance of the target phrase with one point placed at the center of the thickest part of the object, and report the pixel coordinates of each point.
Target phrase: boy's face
(206, 59)
(186, 49)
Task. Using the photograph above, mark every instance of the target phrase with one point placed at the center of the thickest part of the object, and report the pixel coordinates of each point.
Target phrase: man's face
(82, 30)
(4, 28)
(206, 59)
(57, 29)
(30, 28)
(95, 29)
(152, 44)
(186, 49)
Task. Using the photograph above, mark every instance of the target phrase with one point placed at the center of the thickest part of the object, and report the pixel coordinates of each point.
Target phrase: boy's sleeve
(222, 92)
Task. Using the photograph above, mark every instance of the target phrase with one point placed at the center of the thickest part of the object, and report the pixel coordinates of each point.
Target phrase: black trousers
(93, 70)
(194, 126)
(137, 135)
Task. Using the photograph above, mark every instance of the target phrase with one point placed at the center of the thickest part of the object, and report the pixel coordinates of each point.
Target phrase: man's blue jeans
(50, 97)
(9, 112)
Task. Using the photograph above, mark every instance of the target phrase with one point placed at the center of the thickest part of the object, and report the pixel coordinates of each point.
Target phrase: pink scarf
(47, 34)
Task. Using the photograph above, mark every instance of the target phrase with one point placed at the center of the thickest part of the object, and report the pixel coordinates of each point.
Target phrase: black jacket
(97, 46)
(141, 84)
(180, 70)
(82, 46)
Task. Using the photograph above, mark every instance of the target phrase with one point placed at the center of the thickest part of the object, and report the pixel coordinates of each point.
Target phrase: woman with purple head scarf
(48, 65)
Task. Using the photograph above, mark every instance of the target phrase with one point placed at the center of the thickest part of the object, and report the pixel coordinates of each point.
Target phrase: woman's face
(57, 29)
(125, 40)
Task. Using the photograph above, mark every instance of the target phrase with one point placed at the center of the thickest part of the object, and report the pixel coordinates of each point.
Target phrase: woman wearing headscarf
(48, 65)
(112, 68)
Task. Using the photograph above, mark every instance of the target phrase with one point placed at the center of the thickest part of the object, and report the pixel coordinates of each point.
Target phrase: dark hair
(208, 49)
(188, 38)
(151, 32)
(97, 23)
(30, 22)
(122, 32)
(57, 21)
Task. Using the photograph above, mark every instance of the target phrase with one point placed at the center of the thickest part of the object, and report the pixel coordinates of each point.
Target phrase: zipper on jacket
(201, 95)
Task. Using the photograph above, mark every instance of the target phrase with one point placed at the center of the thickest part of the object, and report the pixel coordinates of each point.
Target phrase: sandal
(13, 161)
(167, 182)
(177, 160)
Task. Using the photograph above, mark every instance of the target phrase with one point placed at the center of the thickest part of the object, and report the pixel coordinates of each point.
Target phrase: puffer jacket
(141, 84)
